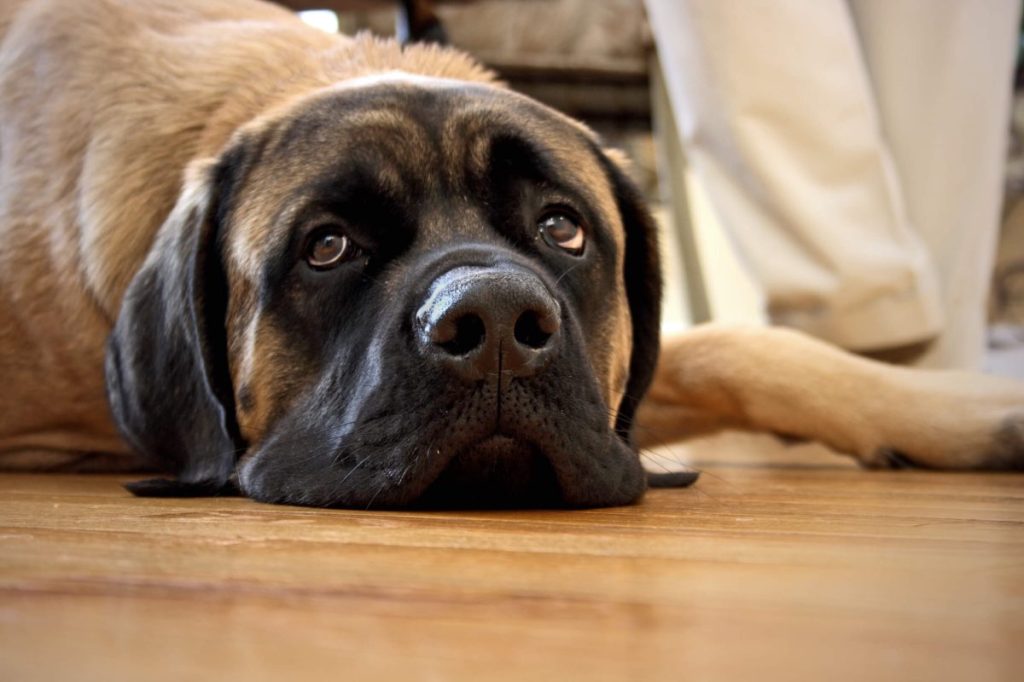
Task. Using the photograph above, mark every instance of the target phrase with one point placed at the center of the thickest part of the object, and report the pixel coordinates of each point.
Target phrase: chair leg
(672, 172)
(418, 23)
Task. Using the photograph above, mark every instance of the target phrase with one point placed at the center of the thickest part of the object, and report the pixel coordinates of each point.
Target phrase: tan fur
(777, 380)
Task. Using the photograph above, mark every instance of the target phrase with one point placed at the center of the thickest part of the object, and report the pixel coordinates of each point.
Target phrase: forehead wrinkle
(396, 146)
(389, 179)
(324, 128)
(466, 139)
(571, 158)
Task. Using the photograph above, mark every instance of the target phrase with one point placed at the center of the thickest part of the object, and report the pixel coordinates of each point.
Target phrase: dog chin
(504, 471)
(498, 471)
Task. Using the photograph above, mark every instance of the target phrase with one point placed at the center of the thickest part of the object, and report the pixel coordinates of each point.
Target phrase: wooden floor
(791, 566)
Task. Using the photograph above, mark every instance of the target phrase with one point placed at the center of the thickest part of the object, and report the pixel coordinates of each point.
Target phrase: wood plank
(794, 567)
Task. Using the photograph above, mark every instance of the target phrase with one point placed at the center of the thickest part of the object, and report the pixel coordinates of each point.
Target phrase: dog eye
(562, 231)
(328, 247)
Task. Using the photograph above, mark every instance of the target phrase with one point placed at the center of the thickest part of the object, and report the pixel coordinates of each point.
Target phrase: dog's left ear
(166, 365)
(642, 276)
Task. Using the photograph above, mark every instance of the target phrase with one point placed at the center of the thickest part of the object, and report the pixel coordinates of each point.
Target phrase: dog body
(335, 271)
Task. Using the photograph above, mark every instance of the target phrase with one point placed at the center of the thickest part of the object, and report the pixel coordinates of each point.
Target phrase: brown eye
(328, 248)
(562, 231)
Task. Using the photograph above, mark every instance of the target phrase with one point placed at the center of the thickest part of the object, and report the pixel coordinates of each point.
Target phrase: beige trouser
(854, 150)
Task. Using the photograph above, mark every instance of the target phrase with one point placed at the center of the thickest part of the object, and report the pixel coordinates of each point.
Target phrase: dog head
(391, 291)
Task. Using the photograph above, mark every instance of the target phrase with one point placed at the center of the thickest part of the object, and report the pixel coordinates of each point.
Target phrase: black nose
(479, 321)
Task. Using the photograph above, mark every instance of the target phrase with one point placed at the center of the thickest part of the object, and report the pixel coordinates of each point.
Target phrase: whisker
(566, 272)
(380, 489)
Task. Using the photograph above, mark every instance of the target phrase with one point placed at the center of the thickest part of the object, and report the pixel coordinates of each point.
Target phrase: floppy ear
(642, 276)
(166, 365)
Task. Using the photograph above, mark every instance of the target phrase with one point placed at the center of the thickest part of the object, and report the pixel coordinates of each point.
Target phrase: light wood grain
(797, 566)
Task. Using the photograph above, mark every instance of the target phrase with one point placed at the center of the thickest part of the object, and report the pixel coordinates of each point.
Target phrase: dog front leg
(782, 381)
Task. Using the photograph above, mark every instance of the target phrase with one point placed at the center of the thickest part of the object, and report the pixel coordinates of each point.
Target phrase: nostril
(468, 335)
(487, 322)
(529, 330)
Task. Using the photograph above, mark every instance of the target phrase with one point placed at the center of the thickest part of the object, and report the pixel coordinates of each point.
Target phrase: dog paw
(890, 458)
(983, 444)
(672, 479)
(1007, 452)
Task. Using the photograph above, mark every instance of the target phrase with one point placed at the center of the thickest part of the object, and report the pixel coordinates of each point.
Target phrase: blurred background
(597, 60)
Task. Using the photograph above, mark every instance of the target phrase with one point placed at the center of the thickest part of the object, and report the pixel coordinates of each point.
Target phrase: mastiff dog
(330, 271)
